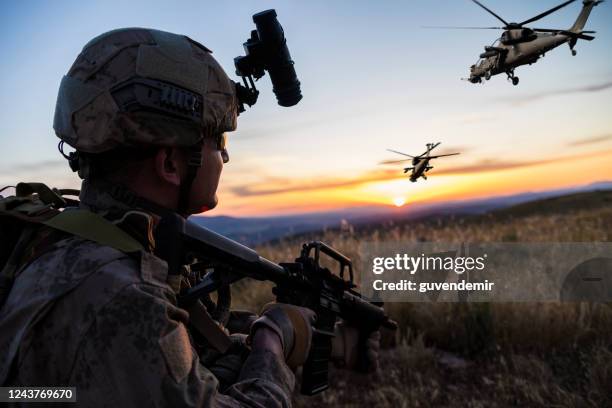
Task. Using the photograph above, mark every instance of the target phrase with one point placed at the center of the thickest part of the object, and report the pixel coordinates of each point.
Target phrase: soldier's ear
(167, 165)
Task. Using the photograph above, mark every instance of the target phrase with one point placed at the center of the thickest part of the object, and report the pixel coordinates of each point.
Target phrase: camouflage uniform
(86, 315)
(89, 316)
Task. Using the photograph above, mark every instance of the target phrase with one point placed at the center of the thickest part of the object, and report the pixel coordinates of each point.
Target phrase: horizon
(372, 79)
(404, 210)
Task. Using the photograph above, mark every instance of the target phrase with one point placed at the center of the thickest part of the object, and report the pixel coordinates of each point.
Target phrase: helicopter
(520, 45)
(420, 163)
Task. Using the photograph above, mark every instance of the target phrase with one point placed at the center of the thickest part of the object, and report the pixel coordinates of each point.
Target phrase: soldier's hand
(226, 366)
(345, 347)
(292, 326)
(240, 321)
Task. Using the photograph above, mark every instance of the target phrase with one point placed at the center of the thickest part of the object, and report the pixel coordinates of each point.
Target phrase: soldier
(147, 113)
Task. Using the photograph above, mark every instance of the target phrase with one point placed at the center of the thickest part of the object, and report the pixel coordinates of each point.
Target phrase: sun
(399, 201)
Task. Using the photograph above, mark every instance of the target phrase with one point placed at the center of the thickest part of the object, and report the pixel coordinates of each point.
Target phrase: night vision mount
(266, 50)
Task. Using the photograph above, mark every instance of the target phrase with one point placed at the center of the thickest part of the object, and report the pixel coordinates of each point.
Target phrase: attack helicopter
(520, 45)
(420, 163)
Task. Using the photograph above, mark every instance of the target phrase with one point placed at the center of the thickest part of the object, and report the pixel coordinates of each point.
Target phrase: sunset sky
(372, 79)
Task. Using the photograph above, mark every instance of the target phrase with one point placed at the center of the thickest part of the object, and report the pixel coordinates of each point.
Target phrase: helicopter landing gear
(511, 77)
(572, 44)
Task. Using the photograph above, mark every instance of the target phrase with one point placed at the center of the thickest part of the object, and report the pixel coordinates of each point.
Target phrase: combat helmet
(136, 86)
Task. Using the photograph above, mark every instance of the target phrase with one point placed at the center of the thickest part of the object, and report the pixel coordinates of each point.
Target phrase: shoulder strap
(39, 204)
(94, 227)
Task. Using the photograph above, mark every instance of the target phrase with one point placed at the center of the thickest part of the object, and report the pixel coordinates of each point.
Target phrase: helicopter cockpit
(486, 63)
(516, 36)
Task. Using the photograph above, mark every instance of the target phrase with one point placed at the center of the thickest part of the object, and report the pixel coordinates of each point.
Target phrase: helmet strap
(194, 162)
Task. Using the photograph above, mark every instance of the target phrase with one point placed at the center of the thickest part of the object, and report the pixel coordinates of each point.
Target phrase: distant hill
(256, 230)
(592, 200)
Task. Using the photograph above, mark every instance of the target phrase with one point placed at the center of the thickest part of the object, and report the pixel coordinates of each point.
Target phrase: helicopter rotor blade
(544, 14)
(403, 154)
(443, 155)
(464, 28)
(430, 147)
(394, 161)
(547, 30)
(491, 12)
(560, 30)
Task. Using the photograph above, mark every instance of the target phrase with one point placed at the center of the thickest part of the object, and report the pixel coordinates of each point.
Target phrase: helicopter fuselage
(520, 45)
(420, 166)
(504, 58)
(420, 163)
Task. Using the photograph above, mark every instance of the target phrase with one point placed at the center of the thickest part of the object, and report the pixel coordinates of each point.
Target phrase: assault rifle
(304, 282)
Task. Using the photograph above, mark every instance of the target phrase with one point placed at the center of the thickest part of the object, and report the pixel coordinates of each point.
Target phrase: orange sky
(372, 79)
(384, 187)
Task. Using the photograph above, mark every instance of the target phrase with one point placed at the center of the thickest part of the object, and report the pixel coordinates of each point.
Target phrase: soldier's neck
(102, 195)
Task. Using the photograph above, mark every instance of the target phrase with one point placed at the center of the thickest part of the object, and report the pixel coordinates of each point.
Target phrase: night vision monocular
(266, 50)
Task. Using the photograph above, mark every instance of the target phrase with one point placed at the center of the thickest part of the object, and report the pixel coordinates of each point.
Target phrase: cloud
(54, 173)
(472, 118)
(496, 165)
(488, 165)
(290, 186)
(493, 165)
(568, 91)
(590, 140)
(41, 167)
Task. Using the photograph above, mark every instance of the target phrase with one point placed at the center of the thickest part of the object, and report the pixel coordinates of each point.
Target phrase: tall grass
(534, 354)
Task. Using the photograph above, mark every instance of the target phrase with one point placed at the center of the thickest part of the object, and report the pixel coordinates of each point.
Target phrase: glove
(345, 347)
(240, 321)
(293, 325)
(226, 366)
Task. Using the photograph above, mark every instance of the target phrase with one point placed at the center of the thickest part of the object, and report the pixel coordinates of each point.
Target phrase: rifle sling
(201, 320)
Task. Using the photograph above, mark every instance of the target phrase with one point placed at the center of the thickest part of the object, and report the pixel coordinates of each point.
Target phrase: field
(486, 354)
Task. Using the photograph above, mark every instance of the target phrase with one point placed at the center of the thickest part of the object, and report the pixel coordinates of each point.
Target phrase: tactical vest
(30, 222)
(34, 213)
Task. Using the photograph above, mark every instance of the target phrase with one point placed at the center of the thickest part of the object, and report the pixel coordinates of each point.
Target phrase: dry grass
(476, 355)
